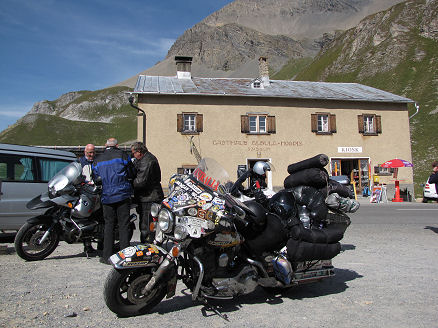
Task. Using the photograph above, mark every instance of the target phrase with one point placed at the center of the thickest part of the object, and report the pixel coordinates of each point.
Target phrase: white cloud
(15, 111)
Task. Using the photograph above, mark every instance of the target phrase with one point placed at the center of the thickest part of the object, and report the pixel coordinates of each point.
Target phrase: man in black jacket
(147, 186)
(434, 177)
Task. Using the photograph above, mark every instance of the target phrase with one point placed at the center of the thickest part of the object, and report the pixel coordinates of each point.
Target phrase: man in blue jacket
(115, 168)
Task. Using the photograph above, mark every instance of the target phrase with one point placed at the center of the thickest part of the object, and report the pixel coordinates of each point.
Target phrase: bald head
(89, 152)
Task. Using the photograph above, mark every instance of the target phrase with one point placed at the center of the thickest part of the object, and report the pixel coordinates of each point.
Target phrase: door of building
(268, 179)
(357, 169)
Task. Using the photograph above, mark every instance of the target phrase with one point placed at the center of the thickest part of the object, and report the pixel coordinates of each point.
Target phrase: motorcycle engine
(224, 277)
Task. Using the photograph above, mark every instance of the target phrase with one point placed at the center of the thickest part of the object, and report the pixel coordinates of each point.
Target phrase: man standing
(434, 176)
(147, 186)
(87, 162)
(115, 168)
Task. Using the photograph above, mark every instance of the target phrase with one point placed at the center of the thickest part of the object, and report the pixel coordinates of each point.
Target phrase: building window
(257, 84)
(369, 124)
(190, 123)
(257, 124)
(323, 123)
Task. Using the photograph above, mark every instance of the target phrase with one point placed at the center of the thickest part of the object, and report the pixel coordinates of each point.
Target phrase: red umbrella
(397, 163)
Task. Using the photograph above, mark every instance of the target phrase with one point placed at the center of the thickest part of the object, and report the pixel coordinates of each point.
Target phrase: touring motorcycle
(73, 214)
(220, 247)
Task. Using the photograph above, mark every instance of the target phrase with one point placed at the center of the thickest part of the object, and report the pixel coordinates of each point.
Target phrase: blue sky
(50, 47)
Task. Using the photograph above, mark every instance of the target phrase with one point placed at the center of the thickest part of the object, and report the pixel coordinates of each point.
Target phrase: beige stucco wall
(292, 142)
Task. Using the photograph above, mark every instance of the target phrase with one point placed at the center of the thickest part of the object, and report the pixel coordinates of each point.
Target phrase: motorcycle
(73, 214)
(220, 247)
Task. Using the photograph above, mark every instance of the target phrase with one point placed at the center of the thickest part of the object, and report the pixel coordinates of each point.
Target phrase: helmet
(261, 167)
(283, 204)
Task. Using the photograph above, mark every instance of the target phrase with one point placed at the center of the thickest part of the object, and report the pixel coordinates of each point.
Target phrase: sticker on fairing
(206, 196)
(129, 251)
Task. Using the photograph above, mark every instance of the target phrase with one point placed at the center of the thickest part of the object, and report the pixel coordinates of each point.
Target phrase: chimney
(264, 71)
(183, 67)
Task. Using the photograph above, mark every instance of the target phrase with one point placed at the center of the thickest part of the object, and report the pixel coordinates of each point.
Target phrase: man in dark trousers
(434, 177)
(86, 163)
(115, 168)
(147, 186)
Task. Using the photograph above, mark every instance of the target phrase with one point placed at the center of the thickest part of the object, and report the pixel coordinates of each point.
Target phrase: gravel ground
(385, 277)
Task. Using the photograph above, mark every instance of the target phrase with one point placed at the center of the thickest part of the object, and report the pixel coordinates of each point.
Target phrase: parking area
(386, 276)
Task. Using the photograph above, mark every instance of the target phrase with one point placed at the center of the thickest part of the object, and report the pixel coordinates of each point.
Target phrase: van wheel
(28, 243)
(425, 199)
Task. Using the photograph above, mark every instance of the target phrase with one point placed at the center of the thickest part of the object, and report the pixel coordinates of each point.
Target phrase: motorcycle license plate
(114, 259)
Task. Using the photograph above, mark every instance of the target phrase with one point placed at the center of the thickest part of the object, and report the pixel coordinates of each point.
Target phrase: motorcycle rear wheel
(122, 292)
(27, 241)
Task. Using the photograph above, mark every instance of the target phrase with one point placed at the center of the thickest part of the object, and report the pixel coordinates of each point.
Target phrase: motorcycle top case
(138, 256)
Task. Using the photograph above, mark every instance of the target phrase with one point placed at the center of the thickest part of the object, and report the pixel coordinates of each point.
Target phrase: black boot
(88, 249)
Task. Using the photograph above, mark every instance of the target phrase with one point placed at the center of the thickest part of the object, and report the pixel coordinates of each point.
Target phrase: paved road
(386, 276)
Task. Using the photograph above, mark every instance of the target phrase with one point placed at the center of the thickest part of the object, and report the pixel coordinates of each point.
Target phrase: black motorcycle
(220, 247)
(73, 214)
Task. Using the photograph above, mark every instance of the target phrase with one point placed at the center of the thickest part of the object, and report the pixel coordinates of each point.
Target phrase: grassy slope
(53, 130)
(413, 79)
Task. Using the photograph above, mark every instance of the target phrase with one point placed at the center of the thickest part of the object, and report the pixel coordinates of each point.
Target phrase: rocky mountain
(228, 42)
(395, 50)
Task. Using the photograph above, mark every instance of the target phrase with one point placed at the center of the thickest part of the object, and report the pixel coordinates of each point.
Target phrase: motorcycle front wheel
(123, 292)
(28, 243)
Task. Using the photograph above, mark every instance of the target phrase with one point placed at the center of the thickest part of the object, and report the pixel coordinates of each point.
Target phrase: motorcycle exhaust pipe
(174, 252)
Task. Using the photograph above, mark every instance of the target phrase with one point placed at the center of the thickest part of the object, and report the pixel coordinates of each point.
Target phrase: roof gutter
(418, 109)
(140, 112)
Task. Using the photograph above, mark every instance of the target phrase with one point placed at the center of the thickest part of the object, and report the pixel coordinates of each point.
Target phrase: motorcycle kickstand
(204, 301)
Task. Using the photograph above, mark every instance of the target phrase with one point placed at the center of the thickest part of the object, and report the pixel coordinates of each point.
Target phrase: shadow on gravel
(434, 229)
(334, 285)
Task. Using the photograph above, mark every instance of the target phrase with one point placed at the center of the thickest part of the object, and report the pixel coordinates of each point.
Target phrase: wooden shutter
(314, 122)
(179, 123)
(244, 123)
(378, 124)
(271, 124)
(360, 123)
(332, 118)
(199, 122)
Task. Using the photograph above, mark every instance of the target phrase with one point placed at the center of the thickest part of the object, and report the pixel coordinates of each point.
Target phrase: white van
(24, 173)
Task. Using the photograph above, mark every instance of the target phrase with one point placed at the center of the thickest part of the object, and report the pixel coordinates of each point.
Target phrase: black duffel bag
(318, 161)
(329, 235)
(314, 177)
(298, 250)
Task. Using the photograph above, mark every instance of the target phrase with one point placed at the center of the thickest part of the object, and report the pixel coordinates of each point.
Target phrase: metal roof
(171, 85)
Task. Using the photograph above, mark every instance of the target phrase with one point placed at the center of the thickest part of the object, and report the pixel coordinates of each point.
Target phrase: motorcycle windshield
(212, 175)
(71, 174)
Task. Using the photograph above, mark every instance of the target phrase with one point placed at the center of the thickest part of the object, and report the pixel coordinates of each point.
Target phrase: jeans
(116, 213)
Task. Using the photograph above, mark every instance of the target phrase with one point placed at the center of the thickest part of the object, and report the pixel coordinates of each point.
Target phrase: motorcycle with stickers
(218, 246)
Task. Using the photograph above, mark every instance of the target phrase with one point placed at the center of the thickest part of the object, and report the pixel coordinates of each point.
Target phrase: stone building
(239, 121)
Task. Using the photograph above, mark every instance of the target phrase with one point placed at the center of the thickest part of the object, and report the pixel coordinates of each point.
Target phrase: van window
(17, 168)
(49, 167)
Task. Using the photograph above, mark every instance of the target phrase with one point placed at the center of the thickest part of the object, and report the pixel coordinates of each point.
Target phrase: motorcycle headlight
(165, 220)
(155, 209)
(180, 232)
